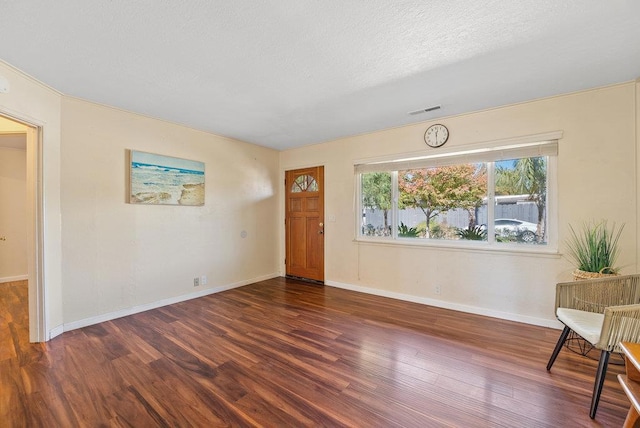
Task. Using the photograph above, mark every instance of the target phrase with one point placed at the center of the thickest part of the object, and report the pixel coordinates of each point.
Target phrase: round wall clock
(436, 135)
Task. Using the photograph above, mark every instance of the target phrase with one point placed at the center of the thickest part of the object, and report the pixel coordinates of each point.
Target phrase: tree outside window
(436, 191)
(376, 196)
(526, 177)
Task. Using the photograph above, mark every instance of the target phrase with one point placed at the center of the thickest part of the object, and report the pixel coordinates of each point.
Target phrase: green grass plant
(406, 231)
(475, 233)
(594, 247)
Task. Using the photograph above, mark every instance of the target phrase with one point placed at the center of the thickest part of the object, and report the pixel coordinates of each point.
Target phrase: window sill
(469, 246)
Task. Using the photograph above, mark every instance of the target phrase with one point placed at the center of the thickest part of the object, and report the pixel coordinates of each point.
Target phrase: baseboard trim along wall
(153, 305)
(14, 278)
(542, 322)
(56, 331)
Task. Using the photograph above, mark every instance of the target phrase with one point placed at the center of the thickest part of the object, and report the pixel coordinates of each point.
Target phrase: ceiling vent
(424, 110)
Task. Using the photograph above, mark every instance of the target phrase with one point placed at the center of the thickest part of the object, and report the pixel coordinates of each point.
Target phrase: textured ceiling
(286, 73)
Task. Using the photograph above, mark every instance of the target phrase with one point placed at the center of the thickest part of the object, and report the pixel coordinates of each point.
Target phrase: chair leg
(597, 386)
(556, 351)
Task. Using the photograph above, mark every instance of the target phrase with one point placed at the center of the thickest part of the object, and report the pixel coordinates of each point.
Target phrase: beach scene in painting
(165, 180)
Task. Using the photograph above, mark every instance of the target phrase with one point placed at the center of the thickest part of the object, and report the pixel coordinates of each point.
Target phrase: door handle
(321, 231)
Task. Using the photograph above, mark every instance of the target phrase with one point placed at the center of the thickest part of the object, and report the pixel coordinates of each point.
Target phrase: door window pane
(304, 183)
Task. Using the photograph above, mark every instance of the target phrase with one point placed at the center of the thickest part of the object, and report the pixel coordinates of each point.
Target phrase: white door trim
(35, 231)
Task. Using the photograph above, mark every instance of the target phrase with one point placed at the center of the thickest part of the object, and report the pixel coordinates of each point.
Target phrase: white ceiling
(286, 73)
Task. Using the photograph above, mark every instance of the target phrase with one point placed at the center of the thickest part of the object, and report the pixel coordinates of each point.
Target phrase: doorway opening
(21, 143)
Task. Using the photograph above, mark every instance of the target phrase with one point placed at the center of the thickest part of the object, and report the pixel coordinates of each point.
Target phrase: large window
(498, 195)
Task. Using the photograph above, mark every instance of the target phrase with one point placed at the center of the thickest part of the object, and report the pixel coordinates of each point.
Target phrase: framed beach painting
(165, 180)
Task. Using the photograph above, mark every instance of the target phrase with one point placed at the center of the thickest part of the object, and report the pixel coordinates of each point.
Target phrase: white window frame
(488, 152)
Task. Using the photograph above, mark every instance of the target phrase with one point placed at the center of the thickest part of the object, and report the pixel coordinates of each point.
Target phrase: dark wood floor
(285, 353)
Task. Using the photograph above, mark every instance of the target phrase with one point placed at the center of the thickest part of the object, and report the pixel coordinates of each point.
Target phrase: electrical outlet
(203, 280)
(196, 282)
(437, 290)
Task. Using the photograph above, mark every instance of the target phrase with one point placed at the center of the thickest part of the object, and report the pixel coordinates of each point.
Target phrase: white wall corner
(56, 331)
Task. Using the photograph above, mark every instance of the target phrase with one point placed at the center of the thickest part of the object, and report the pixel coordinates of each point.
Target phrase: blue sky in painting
(168, 161)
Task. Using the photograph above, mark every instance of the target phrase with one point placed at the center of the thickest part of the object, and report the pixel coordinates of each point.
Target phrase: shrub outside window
(493, 196)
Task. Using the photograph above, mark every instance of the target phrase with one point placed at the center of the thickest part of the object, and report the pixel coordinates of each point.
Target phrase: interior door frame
(284, 215)
(35, 230)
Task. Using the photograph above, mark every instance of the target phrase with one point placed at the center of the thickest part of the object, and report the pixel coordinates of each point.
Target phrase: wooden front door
(304, 221)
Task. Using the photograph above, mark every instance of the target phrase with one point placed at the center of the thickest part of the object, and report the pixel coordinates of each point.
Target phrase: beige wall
(118, 256)
(596, 179)
(32, 102)
(13, 206)
(112, 256)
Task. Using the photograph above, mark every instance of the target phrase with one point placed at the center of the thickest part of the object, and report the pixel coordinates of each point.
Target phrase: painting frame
(156, 179)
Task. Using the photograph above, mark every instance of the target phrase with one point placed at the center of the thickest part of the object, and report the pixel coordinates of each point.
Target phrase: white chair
(604, 312)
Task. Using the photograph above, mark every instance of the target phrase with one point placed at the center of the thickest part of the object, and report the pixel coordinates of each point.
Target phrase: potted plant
(594, 249)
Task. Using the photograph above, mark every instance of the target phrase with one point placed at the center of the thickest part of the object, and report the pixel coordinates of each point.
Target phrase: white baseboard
(543, 322)
(14, 278)
(153, 305)
(56, 331)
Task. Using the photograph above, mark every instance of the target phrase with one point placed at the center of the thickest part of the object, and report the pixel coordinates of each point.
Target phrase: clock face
(436, 135)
